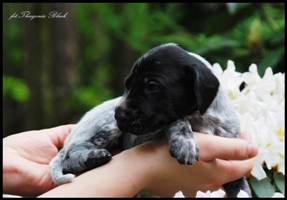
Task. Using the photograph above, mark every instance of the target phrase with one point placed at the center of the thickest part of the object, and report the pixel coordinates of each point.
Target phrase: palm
(28, 155)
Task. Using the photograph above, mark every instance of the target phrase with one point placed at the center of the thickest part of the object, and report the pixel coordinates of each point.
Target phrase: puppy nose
(121, 115)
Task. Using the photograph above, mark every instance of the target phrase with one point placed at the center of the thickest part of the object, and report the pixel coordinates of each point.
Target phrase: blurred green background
(56, 69)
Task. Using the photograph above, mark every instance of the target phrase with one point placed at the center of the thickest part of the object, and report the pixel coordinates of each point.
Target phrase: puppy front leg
(78, 158)
(182, 143)
(83, 157)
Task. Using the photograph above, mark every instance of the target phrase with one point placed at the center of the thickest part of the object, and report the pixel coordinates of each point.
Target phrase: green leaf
(214, 27)
(234, 7)
(271, 59)
(255, 32)
(15, 88)
(262, 188)
(214, 46)
(279, 180)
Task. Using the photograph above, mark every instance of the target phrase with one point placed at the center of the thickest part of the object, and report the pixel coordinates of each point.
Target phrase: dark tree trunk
(123, 59)
(33, 67)
(50, 45)
(12, 110)
(63, 66)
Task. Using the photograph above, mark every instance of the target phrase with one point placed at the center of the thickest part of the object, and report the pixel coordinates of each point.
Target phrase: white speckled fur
(100, 118)
(98, 130)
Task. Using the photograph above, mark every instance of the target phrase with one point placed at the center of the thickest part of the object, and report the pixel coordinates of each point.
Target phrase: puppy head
(165, 84)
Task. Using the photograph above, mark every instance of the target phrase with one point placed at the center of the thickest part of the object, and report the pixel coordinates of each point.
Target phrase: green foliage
(262, 188)
(90, 96)
(15, 88)
(11, 33)
(274, 182)
(252, 35)
(279, 180)
(243, 32)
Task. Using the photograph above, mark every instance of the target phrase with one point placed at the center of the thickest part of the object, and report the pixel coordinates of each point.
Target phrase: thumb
(212, 147)
(59, 134)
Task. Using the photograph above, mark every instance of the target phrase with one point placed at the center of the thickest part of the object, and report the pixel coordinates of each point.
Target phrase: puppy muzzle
(131, 121)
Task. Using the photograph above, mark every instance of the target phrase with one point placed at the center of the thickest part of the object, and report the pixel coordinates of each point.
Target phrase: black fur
(167, 89)
(170, 93)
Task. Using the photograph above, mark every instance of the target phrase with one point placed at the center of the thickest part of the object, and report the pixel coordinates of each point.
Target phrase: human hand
(221, 160)
(149, 166)
(26, 157)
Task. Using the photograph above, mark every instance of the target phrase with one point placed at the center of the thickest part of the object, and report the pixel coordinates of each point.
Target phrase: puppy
(169, 87)
(86, 147)
(169, 94)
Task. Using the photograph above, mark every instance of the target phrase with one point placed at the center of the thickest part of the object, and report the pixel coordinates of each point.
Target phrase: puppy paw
(97, 158)
(185, 150)
(182, 143)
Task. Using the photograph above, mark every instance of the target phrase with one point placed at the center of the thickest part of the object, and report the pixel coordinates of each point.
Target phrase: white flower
(219, 193)
(257, 171)
(229, 78)
(279, 91)
(242, 194)
(262, 87)
(278, 195)
(251, 77)
(260, 108)
(179, 195)
(11, 196)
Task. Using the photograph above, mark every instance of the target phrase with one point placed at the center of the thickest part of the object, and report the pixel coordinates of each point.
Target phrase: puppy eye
(153, 86)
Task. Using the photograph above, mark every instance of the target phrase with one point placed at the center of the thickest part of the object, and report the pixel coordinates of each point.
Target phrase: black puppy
(169, 94)
(168, 87)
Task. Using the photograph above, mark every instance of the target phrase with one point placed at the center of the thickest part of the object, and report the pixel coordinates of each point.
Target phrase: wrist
(158, 169)
(8, 172)
(124, 176)
(139, 163)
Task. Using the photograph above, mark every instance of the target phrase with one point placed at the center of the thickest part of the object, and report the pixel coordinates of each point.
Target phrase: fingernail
(252, 150)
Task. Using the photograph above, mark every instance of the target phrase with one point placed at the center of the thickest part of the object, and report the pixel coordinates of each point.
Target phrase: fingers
(234, 170)
(59, 134)
(245, 136)
(212, 147)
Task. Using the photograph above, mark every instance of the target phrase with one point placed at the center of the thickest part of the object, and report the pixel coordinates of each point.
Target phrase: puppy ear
(205, 85)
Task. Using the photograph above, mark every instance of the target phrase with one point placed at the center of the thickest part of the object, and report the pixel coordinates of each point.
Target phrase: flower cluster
(260, 107)
(221, 194)
(259, 103)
